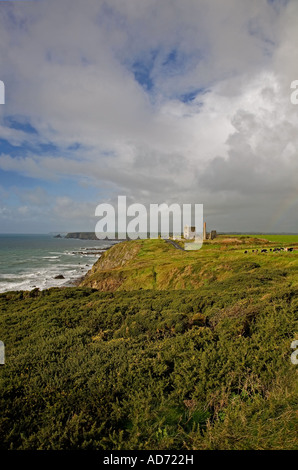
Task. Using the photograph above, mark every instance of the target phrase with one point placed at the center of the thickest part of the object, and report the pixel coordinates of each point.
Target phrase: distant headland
(80, 236)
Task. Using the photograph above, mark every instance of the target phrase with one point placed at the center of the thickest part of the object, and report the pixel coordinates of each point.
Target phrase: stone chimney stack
(204, 232)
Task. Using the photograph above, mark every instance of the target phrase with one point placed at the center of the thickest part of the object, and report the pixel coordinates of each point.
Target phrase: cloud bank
(160, 101)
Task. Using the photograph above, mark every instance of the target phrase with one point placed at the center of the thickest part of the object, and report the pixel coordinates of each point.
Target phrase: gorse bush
(143, 370)
(205, 368)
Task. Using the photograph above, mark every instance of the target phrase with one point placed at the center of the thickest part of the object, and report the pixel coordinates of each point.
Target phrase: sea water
(30, 261)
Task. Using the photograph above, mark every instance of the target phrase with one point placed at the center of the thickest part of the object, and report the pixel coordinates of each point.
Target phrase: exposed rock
(106, 273)
(60, 276)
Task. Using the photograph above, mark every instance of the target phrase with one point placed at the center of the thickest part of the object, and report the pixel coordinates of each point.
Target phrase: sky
(163, 101)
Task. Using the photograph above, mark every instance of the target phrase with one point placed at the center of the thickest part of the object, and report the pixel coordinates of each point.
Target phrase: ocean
(30, 261)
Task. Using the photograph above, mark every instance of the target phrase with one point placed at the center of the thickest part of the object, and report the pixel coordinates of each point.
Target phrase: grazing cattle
(290, 249)
(246, 251)
(264, 251)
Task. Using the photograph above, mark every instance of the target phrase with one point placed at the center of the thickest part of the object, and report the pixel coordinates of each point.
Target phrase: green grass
(187, 351)
(158, 265)
(277, 238)
(284, 239)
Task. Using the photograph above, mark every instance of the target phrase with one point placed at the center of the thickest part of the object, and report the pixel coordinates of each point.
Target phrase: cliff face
(106, 273)
(82, 235)
(117, 256)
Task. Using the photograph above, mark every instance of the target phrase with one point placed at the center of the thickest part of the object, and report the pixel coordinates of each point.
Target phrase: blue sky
(167, 101)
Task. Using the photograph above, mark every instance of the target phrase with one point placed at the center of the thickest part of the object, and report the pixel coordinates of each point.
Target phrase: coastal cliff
(107, 272)
(157, 265)
(82, 235)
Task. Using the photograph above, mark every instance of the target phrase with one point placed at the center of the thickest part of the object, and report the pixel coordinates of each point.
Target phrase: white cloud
(69, 69)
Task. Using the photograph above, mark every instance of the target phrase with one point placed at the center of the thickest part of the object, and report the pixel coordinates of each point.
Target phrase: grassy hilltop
(157, 349)
(155, 264)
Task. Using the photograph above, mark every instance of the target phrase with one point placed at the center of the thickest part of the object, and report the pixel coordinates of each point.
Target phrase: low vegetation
(155, 264)
(179, 351)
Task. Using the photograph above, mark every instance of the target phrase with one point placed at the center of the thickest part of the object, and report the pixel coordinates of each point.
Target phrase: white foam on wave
(13, 286)
(17, 276)
(40, 271)
(42, 278)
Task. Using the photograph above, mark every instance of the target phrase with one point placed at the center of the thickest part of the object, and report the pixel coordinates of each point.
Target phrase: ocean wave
(37, 267)
(42, 278)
